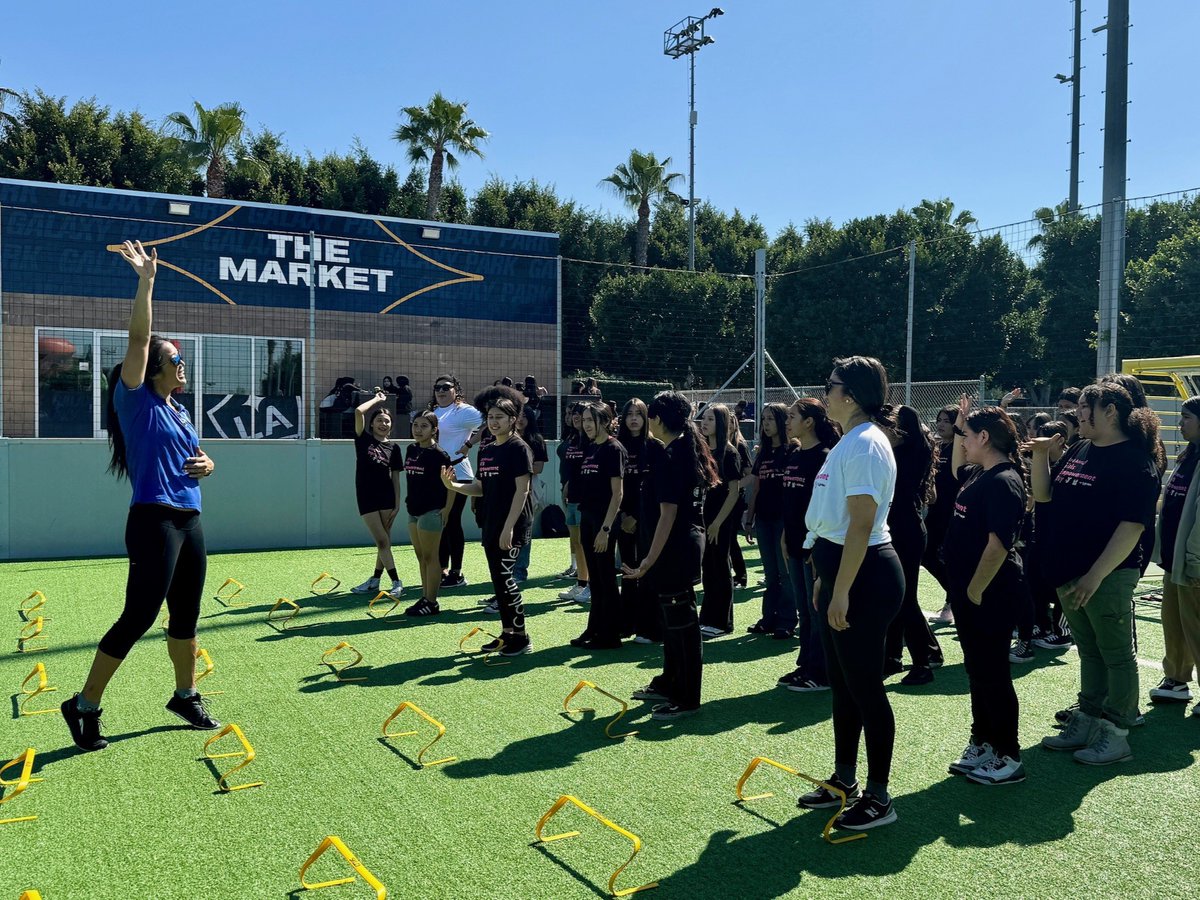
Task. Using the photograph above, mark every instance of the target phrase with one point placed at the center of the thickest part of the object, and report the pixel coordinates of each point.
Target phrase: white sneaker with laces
(370, 586)
(397, 590)
(973, 756)
(584, 596)
(570, 593)
(998, 770)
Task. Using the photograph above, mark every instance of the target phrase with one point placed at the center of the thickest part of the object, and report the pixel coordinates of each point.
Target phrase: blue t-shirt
(159, 438)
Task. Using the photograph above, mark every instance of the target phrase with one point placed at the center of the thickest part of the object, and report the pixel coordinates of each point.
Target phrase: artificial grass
(143, 818)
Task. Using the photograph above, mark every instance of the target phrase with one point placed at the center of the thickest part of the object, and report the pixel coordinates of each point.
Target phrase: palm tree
(940, 213)
(210, 141)
(7, 118)
(1046, 216)
(639, 182)
(435, 133)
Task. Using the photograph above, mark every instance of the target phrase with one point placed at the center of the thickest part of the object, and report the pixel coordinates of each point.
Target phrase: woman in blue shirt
(155, 446)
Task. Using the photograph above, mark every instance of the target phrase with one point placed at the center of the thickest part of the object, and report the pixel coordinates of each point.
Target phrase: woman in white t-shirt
(859, 587)
(457, 423)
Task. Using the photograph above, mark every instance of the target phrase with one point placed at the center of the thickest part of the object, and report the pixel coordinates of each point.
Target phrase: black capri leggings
(166, 559)
(450, 550)
(854, 657)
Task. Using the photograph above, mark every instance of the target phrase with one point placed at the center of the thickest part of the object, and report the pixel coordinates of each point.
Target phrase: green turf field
(143, 818)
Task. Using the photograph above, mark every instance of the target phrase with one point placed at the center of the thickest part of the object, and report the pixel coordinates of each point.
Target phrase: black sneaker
(936, 660)
(583, 641)
(918, 675)
(808, 686)
(649, 692)
(669, 712)
(823, 798)
(453, 579)
(516, 644)
(869, 812)
(1063, 716)
(84, 726)
(1053, 641)
(191, 710)
(892, 666)
(491, 646)
(423, 607)
(793, 677)
(739, 583)
(758, 628)
(782, 635)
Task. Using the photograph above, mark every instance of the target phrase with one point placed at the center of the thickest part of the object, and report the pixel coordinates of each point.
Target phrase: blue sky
(807, 108)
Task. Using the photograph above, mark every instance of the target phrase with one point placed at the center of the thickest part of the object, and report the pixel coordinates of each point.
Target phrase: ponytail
(866, 382)
(1138, 423)
(1002, 431)
(118, 463)
(674, 410)
(827, 431)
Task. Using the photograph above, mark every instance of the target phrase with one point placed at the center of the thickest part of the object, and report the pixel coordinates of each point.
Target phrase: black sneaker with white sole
(423, 607)
(516, 644)
(1170, 691)
(823, 798)
(453, 579)
(1052, 641)
(84, 726)
(192, 710)
(669, 712)
(649, 692)
(807, 686)
(869, 812)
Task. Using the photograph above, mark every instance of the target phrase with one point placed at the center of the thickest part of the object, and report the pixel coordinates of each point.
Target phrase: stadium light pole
(1112, 220)
(685, 38)
(1073, 81)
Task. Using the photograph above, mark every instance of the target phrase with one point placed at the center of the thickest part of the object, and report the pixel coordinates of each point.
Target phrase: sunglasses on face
(177, 360)
(830, 385)
(443, 387)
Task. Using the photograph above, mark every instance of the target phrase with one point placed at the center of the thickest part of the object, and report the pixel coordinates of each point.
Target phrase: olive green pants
(1103, 634)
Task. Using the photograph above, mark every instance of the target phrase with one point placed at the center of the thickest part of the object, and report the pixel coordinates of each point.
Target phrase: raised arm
(360, 412)
(137, 354)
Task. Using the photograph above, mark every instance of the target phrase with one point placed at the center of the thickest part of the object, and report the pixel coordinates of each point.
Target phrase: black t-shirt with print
(729, 470)
(601, 463)
(572, 460)
(769, 469)
(631, 487)
(1094, 490)
(423, 476)
(500, 465)
(989, 502)
(374, 462)
(651, 459)
(1172, 505)
(800, 470)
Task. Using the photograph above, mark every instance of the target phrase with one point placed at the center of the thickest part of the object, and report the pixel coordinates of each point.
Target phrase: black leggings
(450, 550)
(984, 633)
(855, 656)
(604, 612)
(910, 627)
(508, 593)
(717, 610)
(166, 559)
(632, 617)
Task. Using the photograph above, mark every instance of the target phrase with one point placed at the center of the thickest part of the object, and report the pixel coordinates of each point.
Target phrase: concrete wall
(57, 502)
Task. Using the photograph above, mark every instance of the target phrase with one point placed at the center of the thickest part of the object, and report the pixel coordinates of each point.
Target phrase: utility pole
(1112, 223)
(1074, 81)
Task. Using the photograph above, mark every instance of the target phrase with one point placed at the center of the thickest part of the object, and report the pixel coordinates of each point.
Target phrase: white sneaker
(585, 595)
(571, 593)
(370, 586)
(973, 756)
(998, 770)
(1171, 690)
(397, 590)
(945, 617)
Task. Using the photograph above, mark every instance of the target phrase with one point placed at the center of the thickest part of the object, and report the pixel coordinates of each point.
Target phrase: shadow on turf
(954, 810)
(50, 757)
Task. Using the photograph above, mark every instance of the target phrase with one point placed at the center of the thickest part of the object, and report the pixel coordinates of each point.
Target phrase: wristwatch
(606, 528)
(959, 431)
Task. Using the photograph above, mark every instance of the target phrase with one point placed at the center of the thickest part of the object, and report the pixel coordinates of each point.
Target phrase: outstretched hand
(964, 409)
(145, 264)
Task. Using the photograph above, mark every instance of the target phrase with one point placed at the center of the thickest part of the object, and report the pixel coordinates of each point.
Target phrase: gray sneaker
(1110, 745)
(1078, 733)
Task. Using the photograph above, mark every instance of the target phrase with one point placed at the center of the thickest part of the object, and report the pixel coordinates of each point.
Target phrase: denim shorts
(430, 521)
(573, 516)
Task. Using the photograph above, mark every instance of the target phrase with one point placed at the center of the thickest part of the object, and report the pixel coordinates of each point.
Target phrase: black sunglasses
(830, 385)
(443, 387)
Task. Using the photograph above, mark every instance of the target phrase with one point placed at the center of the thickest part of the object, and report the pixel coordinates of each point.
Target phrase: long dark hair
(1139, 424)
(628, 440)
(916, 449)
(722, 416)
(118, 463)
(531, 435)
(675, 412)
(865, 380)
(1192, 405)
(602, 415)
(1002, 431)
(827, 430)
(433, 404)
(779, 413)
(1137, 394)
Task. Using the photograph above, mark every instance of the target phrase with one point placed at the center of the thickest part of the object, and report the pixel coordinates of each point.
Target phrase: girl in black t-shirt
(571, 452)
(679, 477)
(1101, 496)
(428, 503)
(915, 457)
(720, 523)
(812, 434)
(377, 487)
(502, 484)
(639, 606)
(765, 516)
(985, 578)
(601, 476)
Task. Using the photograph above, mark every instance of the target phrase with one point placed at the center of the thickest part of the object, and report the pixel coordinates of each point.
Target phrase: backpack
(554, 522)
